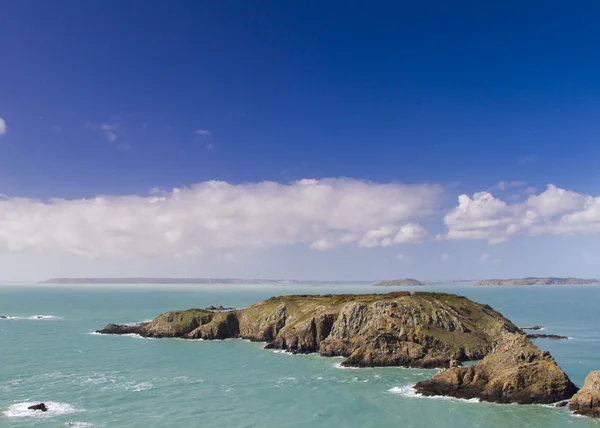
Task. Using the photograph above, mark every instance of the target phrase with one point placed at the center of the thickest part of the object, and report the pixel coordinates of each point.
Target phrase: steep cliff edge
(587, 401)
(515, 371)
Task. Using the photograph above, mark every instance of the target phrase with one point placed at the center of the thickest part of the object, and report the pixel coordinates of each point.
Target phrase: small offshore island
(419, 330)
(407, 282)
(538, 281)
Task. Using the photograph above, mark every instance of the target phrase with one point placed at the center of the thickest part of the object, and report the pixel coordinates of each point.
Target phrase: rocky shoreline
(419, 330)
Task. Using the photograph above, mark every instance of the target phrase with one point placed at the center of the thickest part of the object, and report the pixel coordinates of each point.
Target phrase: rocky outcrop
(425, 330)
(587, 401)
(515, 371)
(535, 327)
(41, 407)
(399, 282)
(547, 336)
(537, 281)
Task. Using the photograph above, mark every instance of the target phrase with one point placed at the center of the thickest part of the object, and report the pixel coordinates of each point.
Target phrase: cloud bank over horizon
(218, 217)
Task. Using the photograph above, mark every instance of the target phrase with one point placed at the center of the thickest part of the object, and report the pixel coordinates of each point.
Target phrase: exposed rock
(587, 401)
(564, 403)
(537, 281)
(219, 308)
(399, 282)
(546, 336)
(4, 317)
(397, 329)
(42, 407)
(535, 327)
(516, 371)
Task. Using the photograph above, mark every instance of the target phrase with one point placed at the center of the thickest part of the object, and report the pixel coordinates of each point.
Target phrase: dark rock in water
(516, 371)
(546, 336)
(40, 406)
(4, 317)
(535, 327)
(587, 401)
(562, 403)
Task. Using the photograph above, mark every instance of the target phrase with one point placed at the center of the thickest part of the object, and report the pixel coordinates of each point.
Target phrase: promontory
(537, 281)
(421, 330)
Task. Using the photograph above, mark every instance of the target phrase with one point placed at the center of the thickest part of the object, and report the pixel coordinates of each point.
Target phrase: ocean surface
(48, 353)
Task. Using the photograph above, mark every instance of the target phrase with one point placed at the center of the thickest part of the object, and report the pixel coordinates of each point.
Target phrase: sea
(49, 353)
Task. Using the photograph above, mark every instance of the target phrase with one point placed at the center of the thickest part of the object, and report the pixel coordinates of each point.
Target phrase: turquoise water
(110, 381)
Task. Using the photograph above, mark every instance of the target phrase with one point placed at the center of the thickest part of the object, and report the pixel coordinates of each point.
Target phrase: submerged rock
(516, 371)
(587, 401)
(42, 407)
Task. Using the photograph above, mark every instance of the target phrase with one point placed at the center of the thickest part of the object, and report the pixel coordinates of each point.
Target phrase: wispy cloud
(204, 132)
(527, 159)
(484, 257)
(503, 185)
(2, 126)
(403, 258)
(445, 257)
(109, 132)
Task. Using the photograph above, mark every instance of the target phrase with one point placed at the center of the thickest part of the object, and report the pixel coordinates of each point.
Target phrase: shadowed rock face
(515, 371)
(396, 329)
(587, 400)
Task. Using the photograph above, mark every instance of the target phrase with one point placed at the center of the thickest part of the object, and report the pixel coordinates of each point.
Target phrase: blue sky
(116, 98)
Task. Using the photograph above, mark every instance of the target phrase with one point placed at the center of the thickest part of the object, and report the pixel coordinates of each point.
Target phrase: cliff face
(515, 371)
(395, 329)
(587, 400)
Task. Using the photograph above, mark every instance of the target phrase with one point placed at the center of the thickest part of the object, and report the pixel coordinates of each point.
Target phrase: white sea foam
(78, 424)
(410, 391)
(20, 410)
(134, 335)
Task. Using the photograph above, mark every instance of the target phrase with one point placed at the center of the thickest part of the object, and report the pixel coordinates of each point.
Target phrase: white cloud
(218, 217)
(445, 257)
(403, 258)
(503, 185)
(484, 257)
(205, 132)
(2, 126)
(555, 211)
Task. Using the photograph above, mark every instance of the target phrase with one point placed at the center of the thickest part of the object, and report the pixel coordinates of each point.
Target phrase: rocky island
(421, 330)
(399, 282)
(538, 281)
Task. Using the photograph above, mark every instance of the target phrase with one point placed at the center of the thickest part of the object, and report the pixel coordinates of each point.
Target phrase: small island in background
(399, 282)
(537, 281)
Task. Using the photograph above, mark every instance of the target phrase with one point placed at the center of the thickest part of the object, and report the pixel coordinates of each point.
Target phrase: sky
(300, 139)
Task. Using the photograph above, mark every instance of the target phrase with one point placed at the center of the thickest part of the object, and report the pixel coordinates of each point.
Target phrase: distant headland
(143, 280)
(537, 281)
(399, 282)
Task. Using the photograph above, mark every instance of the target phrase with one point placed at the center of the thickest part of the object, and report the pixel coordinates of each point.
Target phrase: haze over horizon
(299, 140)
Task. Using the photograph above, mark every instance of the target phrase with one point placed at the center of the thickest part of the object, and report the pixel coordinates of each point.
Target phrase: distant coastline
(143, 280)
(538, 281)
(399, 283)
